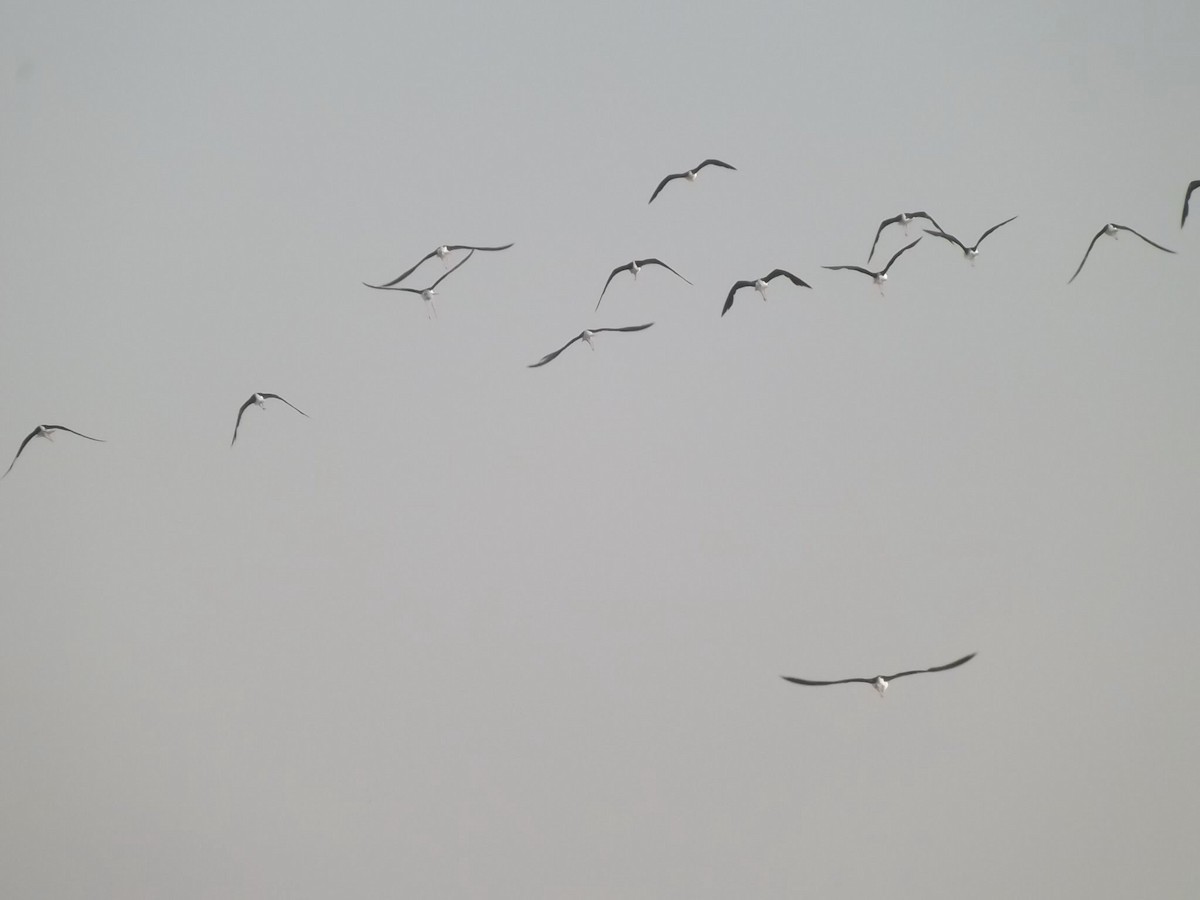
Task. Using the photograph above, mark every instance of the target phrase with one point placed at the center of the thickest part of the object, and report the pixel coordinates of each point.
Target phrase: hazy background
(476, 630)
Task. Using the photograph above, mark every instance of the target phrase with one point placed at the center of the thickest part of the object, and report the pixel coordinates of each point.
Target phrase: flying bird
(969, 252)
(586, 336)
(1111, 230)
(441, 253)
(258, 400)
(902, 219)
(760, 285)
(880, 682)
(881, 276)
(1186, 197)
(47, 432)
(633, 268)
(690, 174)
(426, 294)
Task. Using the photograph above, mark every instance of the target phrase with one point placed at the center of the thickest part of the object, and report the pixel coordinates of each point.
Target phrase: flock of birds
(879, 277)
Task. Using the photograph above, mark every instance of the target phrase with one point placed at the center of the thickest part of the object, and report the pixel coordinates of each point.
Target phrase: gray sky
(476, 630)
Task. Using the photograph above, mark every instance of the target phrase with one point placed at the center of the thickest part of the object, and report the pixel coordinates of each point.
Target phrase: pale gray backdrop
(476, 630)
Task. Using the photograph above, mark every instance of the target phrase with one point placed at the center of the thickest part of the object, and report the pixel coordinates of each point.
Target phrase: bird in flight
(258, 400)
(1186, 197)
(880, 682)
(426, 294)
(1111, 230)
(690, 174)
(902, 219)
(586, 336)
(969, 252)
(441, 253)
(881, 276)
(633, 268)
(47, 432)
(760, 285)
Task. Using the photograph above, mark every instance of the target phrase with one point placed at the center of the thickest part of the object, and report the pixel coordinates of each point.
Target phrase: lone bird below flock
(47, 432)
(968, 252)
(881, 276)
(441, 253)
(902, 219)
(880, 682)
(426, 294)
(633, 268)
(760, 285)
(258, 400)
(585, 336)
(1111, 230)
(690, 174)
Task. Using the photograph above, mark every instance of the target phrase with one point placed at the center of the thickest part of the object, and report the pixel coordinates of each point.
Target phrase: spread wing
(628, 267)
(277, 397)
(238, 423)
(794, 279)
(450, 271)
(990, 230)
(1086, 254)
(948, 237)
(406, 273)
(851, 268)
(713, 162)
(1186, 197)
(737, 286)
(1143, 237)
(658, 262)
(29, 437)
(73, 431)
(899, 253)
(953, 665)
(625, 328)
(662, 184)
(551, 356)
(823, 683)
(882, 225)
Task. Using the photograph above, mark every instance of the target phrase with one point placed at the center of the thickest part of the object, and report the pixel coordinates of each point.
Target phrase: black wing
(713, 162)
(29, 437)
(1087, 253)
(663, 184)
(882, 225)
(822, 683)
(550, 356)
(481, 249)
(1186, 197)
(794, 279)
(628, 267)
(898, 254)
(851, 268)
(990, 230)
(948, 237)
(407, 272)
(382, 287)
(953, 665)
(1143, 237)
(238, 423)
(277, 397)
(626, 328)
(737, 286)
(73, 431)
(658, 262)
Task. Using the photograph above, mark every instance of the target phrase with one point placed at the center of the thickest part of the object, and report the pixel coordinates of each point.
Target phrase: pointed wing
(925, 215)
(713, 162)
(551, 356)
(658, 262)
(381, 287)
(947, 237)
(800, 282)
(1087, 253)
(882, 225)
(407, 272)
(1143, 237)
(626, 328)
(450, 271)
(1186, 197)
(990, 230)
(277, 397)
(899, 253)
(481, 249)
(628, 267)
(663, 184)
(238, 423)
(29, 437)
(737, 286)
(73, 431)
(866, 272)
(823, 683)
(953, 665)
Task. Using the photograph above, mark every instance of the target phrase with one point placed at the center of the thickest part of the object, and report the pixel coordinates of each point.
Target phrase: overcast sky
(478, 630)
